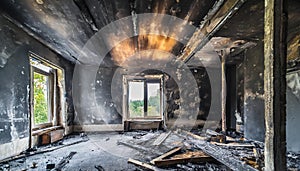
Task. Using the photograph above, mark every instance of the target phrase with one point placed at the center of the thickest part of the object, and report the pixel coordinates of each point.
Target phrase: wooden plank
(44, 139)
(223, 93)
(275, 57)
(194, 135)
(211, 132)
(57, 135)
(139, 148)
(161, 138)
(142, 164)
(166, 154)
(234, 144)
(215, 136)
(45, 130)
(222, 155)
(64, 161)
(190, 154)
(144, 124)
(174, 161)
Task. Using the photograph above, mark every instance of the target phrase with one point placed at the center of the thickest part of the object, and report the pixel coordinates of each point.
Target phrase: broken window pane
(41, 94)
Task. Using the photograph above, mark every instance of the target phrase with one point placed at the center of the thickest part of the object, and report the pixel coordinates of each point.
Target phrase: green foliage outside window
(40, 83)
(153, 105)
(136, 108)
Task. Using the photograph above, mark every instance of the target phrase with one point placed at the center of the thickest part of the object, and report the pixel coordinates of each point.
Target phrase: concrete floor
(101, 149)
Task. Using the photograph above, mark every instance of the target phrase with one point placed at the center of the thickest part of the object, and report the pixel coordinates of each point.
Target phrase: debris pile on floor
(152, 150)
(185, 150)
(293, 161)
(20, 162)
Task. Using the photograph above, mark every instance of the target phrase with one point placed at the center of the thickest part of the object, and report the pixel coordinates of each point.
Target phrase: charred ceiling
(66, 26)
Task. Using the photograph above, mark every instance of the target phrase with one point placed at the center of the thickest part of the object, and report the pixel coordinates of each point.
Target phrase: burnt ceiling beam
(293, 50)
(86, 14)
(236, 51)
(216, 18)
(134, 21)
(65, 54)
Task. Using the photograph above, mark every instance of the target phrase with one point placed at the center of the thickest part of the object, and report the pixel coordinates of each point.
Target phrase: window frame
(54, 91)
(50, 96)
(145, 79)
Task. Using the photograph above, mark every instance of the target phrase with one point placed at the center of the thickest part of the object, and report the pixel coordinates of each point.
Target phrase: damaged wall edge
(13, 148)
(97, 128)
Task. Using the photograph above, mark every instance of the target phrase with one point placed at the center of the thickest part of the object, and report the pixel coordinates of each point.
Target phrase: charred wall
(94, 104)
(99, 99)
(254, 120)
(15, 86)
(293, 108)
(172, 93)
(14, 90)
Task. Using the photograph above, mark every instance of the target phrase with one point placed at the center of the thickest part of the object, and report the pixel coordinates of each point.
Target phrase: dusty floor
(105, 151)
(100, 151)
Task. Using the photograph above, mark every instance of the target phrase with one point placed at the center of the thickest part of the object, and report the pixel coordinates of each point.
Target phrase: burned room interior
(150, 85)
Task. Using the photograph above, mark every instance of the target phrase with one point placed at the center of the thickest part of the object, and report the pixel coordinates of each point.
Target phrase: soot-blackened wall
(292, 111)
(254, 118)
(15, 86)
(99, 95)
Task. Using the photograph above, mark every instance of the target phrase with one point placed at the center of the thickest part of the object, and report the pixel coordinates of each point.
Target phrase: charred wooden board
(166, 155)
(188, 157)
(161, 138)
(142, 164)
(224, 156)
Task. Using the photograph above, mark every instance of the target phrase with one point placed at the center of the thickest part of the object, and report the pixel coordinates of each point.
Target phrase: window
(144, 98)
(136, 99)
(41, 97)
(153, 99)
(44, 93)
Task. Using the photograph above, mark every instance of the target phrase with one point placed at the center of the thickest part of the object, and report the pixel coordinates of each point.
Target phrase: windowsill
(144, 119)
(45, 130)
(42, 126)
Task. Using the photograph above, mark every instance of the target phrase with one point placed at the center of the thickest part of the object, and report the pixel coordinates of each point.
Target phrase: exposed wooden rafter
(216, 18)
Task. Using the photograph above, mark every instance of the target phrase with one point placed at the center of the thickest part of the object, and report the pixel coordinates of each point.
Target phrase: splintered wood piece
(166, 155)
(142, 164)
(234, 144)
(211, 132)
(194, 135)
(190, 154)
(161, 138)
(139, 148)
(215, 136)
(189, 157)
(257, 153)
(224, 156)
(64, 161)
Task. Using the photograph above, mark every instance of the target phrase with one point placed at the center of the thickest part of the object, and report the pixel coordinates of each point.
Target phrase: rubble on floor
(293, 161)
(178, 149)
(20, 162)
(152, 150)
